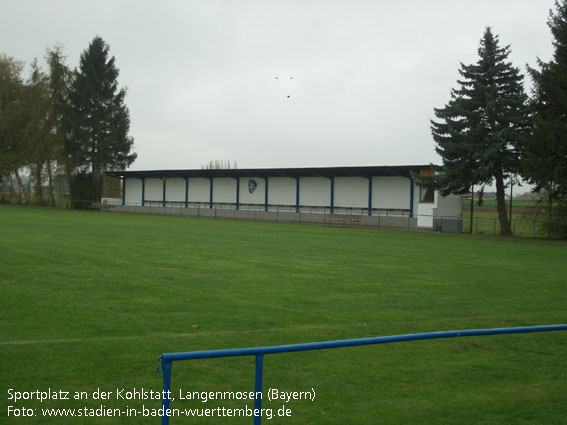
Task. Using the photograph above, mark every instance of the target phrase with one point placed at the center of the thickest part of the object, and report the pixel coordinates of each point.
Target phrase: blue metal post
(165, 396)
(297, 194)
(411, 198)
(332, 194)
(123, 190)
(164, 180)
(370, 195)
(186, 192)
(211, 194)
(266, 195)
(143, 191)
(258, 388)
(237, 193)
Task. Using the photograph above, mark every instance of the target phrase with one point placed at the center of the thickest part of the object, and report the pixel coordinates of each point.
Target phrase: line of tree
(62, 122)
(490, 131)
(219, 165)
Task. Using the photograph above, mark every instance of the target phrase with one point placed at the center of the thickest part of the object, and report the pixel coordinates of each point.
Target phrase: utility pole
(472, 209)
(511, 194)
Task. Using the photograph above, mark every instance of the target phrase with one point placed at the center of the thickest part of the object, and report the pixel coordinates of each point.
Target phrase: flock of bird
(291, 78)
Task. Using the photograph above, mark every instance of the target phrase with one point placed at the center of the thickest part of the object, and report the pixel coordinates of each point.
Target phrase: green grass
(516, 202)
(90, 300)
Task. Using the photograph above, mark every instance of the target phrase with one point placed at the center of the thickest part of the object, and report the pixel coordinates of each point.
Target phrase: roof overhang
(359, 171)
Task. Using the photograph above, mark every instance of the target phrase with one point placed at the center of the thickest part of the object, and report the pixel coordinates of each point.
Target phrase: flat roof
(358, 171)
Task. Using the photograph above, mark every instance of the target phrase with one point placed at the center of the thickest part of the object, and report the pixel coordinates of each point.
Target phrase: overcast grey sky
(201, 74)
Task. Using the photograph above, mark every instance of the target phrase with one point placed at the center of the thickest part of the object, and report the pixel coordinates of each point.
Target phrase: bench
(343, 220)
(98, 206)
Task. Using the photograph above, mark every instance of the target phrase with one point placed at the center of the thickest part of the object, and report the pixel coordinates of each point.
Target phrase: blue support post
(143, 191)
(370, 195)
(164, 180)
(166, 394)
(211, 194)
(332, 194)
(258, 389)
(123, 190)
(186, 192)
(297, 194)
(411, 198)
(237, 193)
(266, 195)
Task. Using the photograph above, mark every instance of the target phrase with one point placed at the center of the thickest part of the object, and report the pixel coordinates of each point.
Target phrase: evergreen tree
(479, 133)
(546, 149)
(99, 120)
(59, 83)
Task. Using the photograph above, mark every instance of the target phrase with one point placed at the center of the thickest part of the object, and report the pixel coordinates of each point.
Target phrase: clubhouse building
(391, 194)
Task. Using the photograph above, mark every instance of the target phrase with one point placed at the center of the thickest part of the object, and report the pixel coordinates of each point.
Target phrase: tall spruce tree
(479, 133)
(546, 150)
(99, 119)
(59, 82)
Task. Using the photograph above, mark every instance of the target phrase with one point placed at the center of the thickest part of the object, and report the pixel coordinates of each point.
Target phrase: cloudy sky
(273, 83)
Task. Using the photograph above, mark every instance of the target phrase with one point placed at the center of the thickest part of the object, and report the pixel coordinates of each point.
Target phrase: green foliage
(12, 119)
(551, 215)
(60, 121)
(98, 118)
(83, 187)
(479, 133)
(37, 130)
(546, 151)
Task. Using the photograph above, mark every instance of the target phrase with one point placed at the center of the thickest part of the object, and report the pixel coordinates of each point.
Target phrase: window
(426, 194)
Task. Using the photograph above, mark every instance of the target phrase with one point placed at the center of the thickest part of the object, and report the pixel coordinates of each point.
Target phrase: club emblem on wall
(252, 185)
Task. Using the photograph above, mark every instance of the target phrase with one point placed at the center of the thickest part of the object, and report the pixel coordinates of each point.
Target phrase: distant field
(90, 300)
(516, 202)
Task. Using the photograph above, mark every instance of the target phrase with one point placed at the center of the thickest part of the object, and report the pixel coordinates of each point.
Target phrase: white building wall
(425, 212)
(199, 189)
(154, 190)
(351, 192)
(133, 191)
(175, 190)
(256, 197)
(281, 191)
(387, 193)
(415, 197)
(111, 201)
(449, 206)
(391, 192)
(224, 190)
(315, 191)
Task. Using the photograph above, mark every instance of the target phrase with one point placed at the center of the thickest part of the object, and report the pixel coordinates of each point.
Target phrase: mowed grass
(90, 300)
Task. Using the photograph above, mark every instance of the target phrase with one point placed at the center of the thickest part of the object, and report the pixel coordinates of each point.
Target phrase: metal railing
(259, 353)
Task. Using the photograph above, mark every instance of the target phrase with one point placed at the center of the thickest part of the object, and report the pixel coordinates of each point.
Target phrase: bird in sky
(291, 78)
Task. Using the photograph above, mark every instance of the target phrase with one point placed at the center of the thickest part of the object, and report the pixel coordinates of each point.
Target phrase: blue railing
(259, 352)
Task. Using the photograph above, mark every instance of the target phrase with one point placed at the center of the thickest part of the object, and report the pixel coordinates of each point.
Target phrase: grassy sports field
(90, 300)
